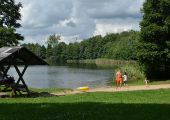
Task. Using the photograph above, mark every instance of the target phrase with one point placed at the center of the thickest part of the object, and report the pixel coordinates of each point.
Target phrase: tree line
(118, 46)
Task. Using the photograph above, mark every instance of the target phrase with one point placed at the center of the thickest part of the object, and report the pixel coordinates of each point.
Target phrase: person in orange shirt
(119, 78)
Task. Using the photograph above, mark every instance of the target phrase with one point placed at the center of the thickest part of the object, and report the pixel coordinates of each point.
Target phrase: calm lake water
(65, 76)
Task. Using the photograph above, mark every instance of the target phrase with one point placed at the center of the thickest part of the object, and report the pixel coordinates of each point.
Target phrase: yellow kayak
(84, 88)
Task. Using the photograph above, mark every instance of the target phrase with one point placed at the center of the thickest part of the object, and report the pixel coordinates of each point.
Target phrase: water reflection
(64, 76)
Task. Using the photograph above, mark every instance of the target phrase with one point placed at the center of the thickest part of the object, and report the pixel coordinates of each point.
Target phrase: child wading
(125, 79)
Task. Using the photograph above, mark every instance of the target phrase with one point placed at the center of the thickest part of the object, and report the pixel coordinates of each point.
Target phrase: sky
(75, 20)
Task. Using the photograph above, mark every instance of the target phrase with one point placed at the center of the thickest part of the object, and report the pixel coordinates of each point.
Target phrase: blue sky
(77, 19)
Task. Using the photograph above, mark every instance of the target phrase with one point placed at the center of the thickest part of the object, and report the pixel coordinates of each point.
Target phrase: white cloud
(103, 29)
(82, 18)
(70, 39)
(68, 22)
(115, 26)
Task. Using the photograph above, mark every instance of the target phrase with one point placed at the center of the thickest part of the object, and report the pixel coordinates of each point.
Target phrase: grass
(134, 105)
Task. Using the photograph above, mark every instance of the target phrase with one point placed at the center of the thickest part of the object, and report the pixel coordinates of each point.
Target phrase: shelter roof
(23, 55)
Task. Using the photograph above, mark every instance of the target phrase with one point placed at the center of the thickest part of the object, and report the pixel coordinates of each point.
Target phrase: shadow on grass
(40, 94)
(159, 79)
(84, 111)
(32, 95)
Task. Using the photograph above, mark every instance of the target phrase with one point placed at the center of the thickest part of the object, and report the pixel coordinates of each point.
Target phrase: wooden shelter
(14, 56)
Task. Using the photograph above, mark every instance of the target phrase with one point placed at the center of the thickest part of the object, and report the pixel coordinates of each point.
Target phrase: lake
(65, 76)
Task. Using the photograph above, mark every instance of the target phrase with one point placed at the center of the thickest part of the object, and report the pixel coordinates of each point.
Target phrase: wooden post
(21, 78)
(5, 70)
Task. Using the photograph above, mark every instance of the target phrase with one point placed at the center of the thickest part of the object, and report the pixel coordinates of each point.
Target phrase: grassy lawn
(134, 105)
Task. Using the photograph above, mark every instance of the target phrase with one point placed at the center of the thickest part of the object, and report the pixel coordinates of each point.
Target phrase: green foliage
(120, 46)
(115, 46)
(39, 50)
(53, 40)
(112, 46)
(124, 47)
(135, 72)
(9, 16)
(153, 49)
(59, 54)
(43, 52)
(49, 51)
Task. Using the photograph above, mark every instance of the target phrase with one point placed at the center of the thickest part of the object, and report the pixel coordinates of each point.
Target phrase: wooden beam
(21, 78)
(5, 70)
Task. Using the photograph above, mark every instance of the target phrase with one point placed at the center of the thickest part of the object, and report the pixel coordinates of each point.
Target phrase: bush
(135, 71)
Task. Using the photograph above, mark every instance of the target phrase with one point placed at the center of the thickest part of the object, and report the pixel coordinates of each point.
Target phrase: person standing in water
(119, 79)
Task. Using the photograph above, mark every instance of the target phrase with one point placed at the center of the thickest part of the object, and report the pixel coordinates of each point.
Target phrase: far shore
(103, 62)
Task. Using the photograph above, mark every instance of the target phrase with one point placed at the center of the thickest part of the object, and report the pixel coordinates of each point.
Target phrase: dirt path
(113, 89)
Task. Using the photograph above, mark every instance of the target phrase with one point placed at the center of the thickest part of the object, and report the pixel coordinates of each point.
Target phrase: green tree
(59, 53)
(154, 48)
(53, 40)
(9, 16)
(39, 50)
(123, 47)
(43, 52)
(49, 51)
(73, 51)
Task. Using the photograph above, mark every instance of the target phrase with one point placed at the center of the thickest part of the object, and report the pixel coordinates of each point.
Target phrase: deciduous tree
(9, 17)
(154, 47)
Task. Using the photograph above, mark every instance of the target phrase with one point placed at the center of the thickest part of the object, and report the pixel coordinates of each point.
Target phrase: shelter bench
(7, 82)
(10, 83)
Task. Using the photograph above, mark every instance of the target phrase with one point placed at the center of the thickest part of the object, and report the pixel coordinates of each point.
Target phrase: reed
(113, 63)
(135, 72)
(103, 62)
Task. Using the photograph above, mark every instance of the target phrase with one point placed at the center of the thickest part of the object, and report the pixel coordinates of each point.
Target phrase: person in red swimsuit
(119, 78)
